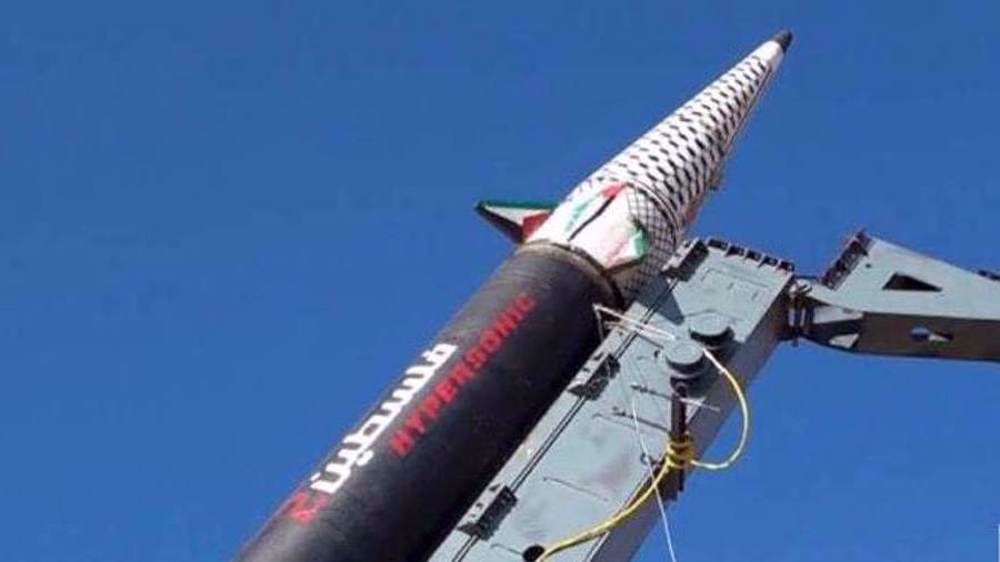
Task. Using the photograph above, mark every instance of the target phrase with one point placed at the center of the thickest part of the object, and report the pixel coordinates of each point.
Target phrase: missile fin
(632, 253)
(517, 220)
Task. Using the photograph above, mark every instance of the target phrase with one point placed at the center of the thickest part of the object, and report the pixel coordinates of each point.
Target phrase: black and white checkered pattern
(670, 168)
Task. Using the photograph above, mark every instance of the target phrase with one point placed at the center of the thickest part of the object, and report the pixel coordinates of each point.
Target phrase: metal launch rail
(582, 462)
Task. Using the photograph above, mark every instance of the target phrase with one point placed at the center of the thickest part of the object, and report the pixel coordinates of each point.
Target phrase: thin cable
(741, 397)
(627, 512)
(659, 496)
(638, 326)
(677, 456)
(644, 389)
(628, 395)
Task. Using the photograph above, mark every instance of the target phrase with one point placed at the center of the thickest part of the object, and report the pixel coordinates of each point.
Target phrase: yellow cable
(677, 456)
(741, 397)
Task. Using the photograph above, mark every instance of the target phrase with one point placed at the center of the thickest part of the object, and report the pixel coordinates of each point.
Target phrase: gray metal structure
(583, 462)
(882, 299)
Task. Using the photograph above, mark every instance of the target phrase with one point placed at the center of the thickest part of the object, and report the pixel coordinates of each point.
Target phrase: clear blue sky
(224, 227)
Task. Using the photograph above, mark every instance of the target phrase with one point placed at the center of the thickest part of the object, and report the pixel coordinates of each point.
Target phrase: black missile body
(497, 366)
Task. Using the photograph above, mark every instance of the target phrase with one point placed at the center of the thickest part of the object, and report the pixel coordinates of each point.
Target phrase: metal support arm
(883, 299)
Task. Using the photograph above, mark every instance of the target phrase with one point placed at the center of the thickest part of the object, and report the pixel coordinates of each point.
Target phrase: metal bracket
(593, 387)
(883, 299)
(486, 522)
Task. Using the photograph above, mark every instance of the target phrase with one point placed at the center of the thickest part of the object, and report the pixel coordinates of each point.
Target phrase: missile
(399, 481)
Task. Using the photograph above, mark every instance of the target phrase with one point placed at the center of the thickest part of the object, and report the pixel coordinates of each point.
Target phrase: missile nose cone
(664, 175)
(772, 51)
(783, 38)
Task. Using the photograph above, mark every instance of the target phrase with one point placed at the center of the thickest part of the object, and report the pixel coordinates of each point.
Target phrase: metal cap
(710, 329)
(685, 357)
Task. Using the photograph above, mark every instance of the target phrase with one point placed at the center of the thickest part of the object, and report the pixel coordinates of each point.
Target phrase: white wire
(640, 328)
(659, 497)
(636, 325)
(630, 398)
